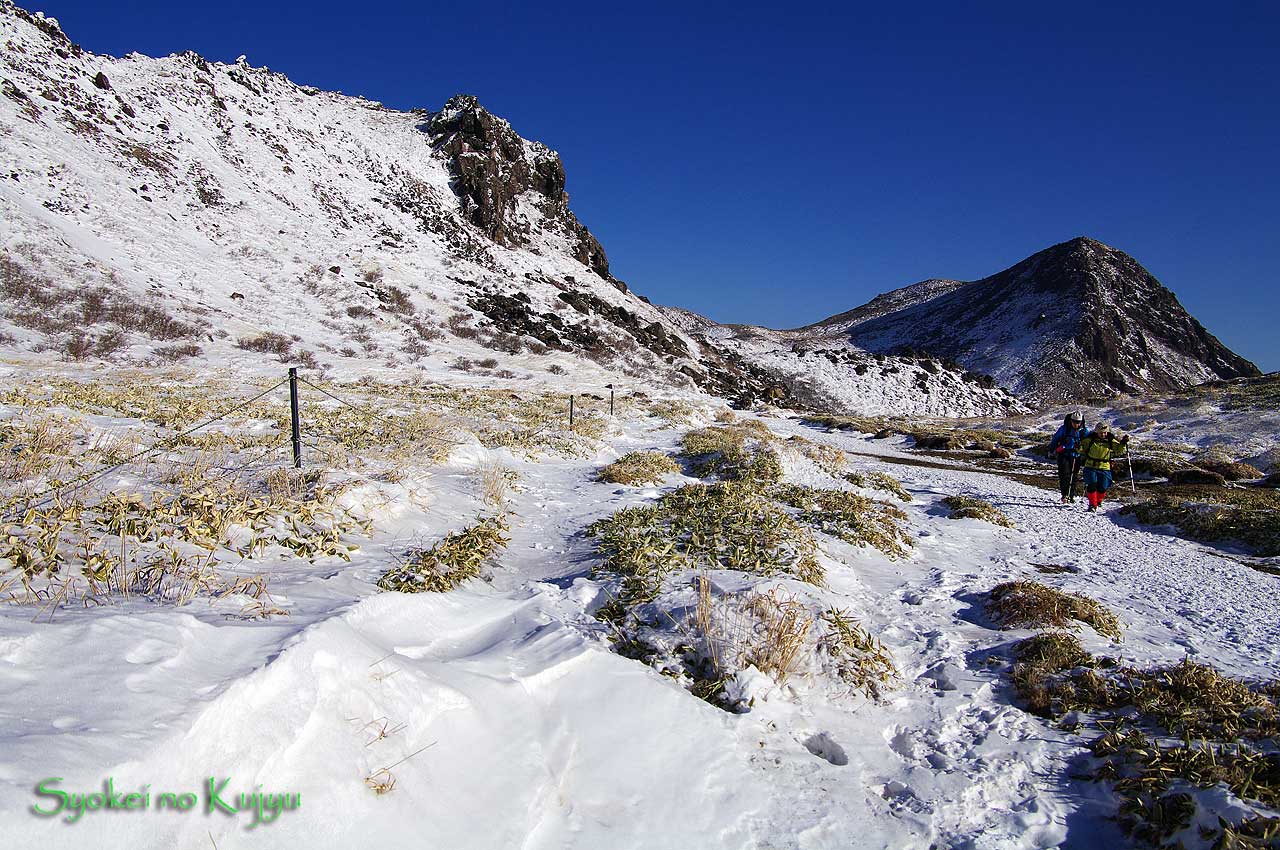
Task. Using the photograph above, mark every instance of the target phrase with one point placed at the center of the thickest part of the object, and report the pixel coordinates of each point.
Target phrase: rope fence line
(238, 469)
(50, 494)
(87, 478)
(390, 421)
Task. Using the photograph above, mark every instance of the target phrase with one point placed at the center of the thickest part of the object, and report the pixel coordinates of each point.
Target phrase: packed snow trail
(504, 720)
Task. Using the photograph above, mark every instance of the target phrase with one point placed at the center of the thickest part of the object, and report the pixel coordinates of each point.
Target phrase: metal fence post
(295, 419)
(570, 411)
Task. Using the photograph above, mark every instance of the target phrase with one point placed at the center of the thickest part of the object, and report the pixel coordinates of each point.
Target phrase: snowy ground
(506, 721)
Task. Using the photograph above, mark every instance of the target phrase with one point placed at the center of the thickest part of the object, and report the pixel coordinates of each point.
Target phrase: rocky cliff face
(495, 172)
(1077, 320)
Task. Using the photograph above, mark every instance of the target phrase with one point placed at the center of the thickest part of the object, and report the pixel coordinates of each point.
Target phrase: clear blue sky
(777, 163)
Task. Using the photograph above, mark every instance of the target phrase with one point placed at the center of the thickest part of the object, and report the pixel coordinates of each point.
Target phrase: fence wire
(52, 493)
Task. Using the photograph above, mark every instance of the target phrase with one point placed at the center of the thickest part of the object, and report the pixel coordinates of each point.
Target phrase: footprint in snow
(822, 746)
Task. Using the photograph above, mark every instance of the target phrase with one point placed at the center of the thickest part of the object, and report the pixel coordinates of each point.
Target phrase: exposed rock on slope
(509, 185)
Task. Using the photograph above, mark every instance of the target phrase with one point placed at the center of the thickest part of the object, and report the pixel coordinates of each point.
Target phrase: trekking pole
(1134, 487)
(1071, 491)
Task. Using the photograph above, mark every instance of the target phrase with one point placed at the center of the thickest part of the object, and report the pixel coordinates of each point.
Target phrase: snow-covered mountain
(1080, 319)
(179, 210)
(1076, 321)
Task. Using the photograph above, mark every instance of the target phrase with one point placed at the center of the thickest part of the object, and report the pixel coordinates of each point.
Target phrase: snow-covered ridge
(1075, 321)
(244, 205)
(321, 228)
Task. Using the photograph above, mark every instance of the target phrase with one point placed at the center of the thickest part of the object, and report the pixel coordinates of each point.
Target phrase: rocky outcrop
(494, 171)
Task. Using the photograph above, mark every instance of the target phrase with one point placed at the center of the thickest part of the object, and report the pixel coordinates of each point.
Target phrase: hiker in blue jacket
(1065, 448)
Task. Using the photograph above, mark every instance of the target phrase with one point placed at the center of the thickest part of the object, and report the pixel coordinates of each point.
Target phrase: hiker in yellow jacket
(1096, 451)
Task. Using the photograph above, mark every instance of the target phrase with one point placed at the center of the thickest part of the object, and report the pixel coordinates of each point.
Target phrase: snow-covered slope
(826, 372)
(173, 208)
(158, 210)
(890, 302)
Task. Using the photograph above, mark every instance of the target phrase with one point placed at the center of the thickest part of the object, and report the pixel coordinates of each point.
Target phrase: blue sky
(778, 163)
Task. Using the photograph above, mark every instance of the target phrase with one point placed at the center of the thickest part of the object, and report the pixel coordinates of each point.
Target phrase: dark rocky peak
(1079, 319)
(493, 168)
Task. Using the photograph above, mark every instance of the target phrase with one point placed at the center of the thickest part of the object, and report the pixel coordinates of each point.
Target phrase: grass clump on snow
(168, 547)
(673, 412)
(957, 439)
(1228, 730)
(34, 446)
(1196, 700)
(878, 481)
(766, 630)
(455, 559)
(639, 468)
(1152, 780)
(738, 452)
(968, 507)
(861, 660)
(854, 519)
(728, 525)
(1251, 517)
(1054, 674)
(1029, 604)
(1038, 663)
(881, 428)
(829, 459)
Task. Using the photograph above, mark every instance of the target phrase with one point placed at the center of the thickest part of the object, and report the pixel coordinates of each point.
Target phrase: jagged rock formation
(495, 171)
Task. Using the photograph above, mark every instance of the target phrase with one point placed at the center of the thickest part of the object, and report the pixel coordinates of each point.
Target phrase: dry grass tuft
(35, 446)
(1031, 605)
(829, 459)
(1038, 660)
(861, 660)
(765, 630)
(1251, 517)
(738, 452)
(637, 468)
(968, 507)
(496, 482)
(1143, 772)
(457, 558)
(673, 412)
(854, 519)
(878, 481)
(728, 525)
(285, 485)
